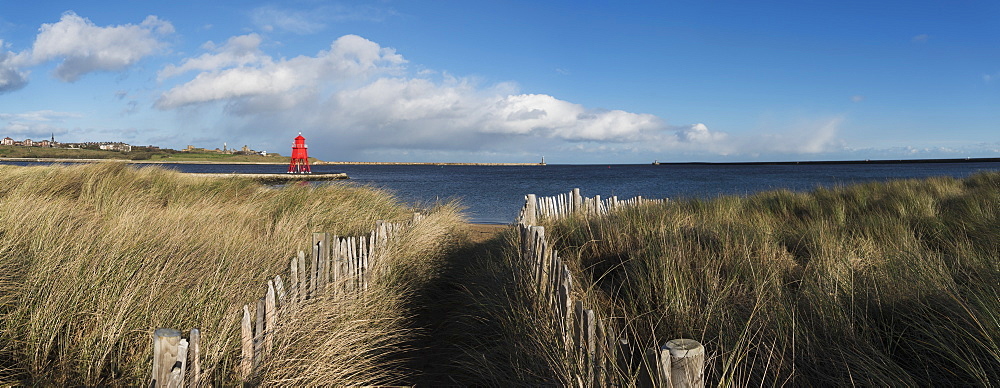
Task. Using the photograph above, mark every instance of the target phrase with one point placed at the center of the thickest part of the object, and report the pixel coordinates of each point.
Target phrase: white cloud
(85, 47)
(237, 51)
(922, 38)
(29, 130)
(12, 77)
(350, 57)
(357, 98)
(857, 98)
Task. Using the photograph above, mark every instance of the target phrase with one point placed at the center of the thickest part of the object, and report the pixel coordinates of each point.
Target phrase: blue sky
(511, 81)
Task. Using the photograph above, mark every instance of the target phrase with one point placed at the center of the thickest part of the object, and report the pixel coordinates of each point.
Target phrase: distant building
(7, 141)
(117, 146)
(28, 143)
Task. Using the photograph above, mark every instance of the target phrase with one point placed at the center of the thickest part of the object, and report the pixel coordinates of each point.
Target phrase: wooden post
(176, 379)
(258, 335)
(529, 210)
(687, 362)
(352, 265)
(590, 345)
(195, 347)
(314, 264)
(577, 200)
(293, 278)
(338, 266)
(246, 365)
(366, 254)
(321, 251)
(303, 288)
(165, 343)
(271, 317)
(599, 352)
(578, 336)
(279, 289)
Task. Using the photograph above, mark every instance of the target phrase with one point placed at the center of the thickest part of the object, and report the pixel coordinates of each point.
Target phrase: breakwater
(279, 178)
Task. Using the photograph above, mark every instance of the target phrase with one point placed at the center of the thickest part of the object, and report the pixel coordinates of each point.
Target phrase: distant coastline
(318, 163)
(426, 164)
(828, 162)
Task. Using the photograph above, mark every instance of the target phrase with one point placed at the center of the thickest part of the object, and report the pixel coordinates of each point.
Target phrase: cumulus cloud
(85, 47)
(237, 51)
(350, 57)
(358, 98)
(11, 76)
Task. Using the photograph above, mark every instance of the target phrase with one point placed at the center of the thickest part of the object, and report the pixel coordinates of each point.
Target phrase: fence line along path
(337, 267)
(601, 354)
(536, 208)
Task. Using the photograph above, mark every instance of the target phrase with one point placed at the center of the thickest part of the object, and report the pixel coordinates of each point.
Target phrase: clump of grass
(873, 284)
(94, 257)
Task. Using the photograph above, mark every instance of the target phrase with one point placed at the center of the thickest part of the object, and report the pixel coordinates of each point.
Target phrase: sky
(511, 81)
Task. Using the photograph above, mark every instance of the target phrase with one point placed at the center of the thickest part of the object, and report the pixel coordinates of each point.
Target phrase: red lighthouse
(300, 158)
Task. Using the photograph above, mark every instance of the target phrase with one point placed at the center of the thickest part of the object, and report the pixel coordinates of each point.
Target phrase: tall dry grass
(364, 339)
(505, 335)
(94, 257)
(894, 283)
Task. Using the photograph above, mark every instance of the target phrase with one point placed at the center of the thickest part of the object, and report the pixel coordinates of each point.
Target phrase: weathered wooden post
(195, 346)
(169, 353)
(246, 329)
(293, 278)
(321, 252)
(577, 200)
(687, 362)
(530, 218)
(303, 287)
(271, 317)
(258, 334)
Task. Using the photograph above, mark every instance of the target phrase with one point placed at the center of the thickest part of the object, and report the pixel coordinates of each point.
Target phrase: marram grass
(94, 257)
(877, 284)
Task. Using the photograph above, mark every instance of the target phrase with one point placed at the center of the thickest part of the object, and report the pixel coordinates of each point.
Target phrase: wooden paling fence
(602, 356)
(338, 267)
(537, 208)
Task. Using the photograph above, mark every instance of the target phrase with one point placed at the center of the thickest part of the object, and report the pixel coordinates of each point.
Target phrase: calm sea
(495, 194)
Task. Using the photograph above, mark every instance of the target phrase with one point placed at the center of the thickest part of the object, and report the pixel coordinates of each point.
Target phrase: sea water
(495, 194)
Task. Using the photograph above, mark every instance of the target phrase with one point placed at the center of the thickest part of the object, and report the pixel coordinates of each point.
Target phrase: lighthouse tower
(300, 158)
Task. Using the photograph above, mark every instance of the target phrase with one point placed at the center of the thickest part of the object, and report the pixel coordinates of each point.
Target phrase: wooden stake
(246, 364)
(530, 217)
(271, 317)
(176, 379)
(687, 362)
(258, 334)
(303, 288)
(195, 347)
(165, 342)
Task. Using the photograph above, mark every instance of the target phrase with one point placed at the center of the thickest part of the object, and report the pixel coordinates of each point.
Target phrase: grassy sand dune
(875, 284)
(94, 257)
